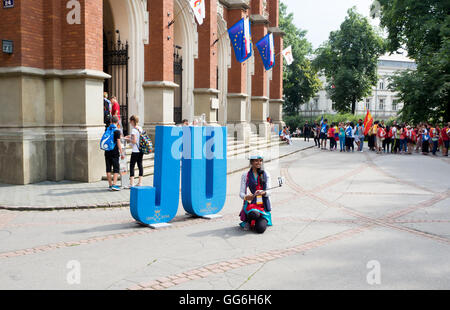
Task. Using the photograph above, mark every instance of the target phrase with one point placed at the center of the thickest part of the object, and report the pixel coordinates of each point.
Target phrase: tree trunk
(353, 106)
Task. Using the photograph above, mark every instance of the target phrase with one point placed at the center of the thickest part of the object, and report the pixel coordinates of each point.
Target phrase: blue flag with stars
(266, 50)
(241, 39)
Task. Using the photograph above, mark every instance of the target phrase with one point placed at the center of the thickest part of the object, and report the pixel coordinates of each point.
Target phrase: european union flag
(266, 50)
(241, 39)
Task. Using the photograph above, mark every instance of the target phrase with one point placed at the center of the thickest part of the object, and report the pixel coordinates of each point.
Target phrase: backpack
(107, 142)
(106, 111)
(390, 134)
(145, 143)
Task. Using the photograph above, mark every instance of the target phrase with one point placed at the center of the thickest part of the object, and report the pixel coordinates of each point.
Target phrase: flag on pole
(198, 6)
(321, 121)
(287, 53)
(368, 121)
(241, 39)
(267, 51)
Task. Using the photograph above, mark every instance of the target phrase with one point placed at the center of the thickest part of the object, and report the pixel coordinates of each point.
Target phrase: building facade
(151, 54)
(382, 103)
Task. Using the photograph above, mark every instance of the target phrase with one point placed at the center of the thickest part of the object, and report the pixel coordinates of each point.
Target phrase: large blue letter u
(204, 174)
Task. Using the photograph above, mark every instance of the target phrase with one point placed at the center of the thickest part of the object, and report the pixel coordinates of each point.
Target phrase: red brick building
(66, 53)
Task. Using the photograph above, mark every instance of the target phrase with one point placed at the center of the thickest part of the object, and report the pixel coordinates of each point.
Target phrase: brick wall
(43, 38)
(207, 53)
(159, 52)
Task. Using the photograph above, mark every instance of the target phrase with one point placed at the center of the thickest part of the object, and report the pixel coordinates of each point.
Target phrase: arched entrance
(125, 20)
(185, 51)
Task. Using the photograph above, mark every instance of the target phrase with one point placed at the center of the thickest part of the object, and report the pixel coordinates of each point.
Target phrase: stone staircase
(235, 148)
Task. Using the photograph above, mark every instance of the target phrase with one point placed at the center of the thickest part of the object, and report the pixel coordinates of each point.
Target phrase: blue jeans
(435, 146)
(403, 145)
(361, 143)
(342, 143)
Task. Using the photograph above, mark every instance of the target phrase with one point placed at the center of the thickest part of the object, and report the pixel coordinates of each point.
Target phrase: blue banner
(266, 50)
(241, 39)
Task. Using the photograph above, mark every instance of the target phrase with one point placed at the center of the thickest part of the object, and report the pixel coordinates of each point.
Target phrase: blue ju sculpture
(202, 151)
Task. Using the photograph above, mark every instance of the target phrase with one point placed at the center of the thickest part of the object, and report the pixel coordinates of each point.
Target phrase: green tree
(422, 28)
(349, 61)
(300, 80)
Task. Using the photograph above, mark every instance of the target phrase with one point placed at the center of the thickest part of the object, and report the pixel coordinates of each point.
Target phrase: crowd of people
(381, 138)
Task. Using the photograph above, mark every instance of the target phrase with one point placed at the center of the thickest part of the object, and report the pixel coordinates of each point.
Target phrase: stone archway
(131, 19)
(186, 37)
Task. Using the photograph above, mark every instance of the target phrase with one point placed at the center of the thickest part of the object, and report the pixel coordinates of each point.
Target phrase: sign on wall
(7, 46)
(7, 4)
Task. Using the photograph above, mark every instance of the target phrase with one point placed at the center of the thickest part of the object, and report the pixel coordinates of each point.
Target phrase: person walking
(410, 138)
(306, 131)
(316, 132)
(107, 107)
(112, 156)
(381, 134)
(136, 156)
(331, 137)
(425, 140)
(445, 134)
(434, 134)
(323, 134)
(342, 137)
(402, 137)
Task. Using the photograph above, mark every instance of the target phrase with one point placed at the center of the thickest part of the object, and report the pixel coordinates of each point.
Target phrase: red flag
(368, 121)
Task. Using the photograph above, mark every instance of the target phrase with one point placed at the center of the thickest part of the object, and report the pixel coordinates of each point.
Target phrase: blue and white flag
(321, 121)
(267, 51)
(241, 39)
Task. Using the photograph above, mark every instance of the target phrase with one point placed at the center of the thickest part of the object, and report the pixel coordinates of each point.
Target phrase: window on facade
(367, 104)
(394, 105)
(316, 104)
(333, 106)
(381, 85)
(381, 105)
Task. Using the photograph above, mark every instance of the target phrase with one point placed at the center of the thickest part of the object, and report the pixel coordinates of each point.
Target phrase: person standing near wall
(136, 155)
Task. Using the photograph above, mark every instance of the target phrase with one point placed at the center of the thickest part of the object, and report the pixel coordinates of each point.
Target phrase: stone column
(159, 86)
(237, 85)
(276, 85)
(52, 120)
(82, 91)
(260, 99)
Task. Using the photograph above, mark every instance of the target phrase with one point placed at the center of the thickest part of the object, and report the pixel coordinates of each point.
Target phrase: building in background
(151, 54)
(382, 103)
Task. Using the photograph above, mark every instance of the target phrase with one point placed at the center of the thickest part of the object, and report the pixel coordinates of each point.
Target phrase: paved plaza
(342, 221)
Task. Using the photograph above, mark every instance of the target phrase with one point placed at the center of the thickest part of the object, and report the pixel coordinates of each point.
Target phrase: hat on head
(256, 155)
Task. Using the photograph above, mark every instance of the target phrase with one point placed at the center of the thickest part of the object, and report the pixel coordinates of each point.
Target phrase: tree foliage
(300, 80)
(349, 61)
(423, 29)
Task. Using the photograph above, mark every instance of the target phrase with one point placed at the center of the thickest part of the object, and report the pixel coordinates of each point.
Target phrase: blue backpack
(107, 142)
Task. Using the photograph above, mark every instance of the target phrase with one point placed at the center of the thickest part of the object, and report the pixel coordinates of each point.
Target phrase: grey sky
(319, 17)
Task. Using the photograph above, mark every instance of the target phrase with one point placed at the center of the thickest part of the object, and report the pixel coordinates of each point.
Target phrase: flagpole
(173, 20)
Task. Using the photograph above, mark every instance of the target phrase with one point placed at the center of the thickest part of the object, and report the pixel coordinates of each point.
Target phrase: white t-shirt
(136, 132)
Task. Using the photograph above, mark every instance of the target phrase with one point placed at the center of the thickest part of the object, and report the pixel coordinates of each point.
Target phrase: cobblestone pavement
(338, 215)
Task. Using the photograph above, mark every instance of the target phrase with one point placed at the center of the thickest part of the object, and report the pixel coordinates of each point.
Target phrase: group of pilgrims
(393, 139)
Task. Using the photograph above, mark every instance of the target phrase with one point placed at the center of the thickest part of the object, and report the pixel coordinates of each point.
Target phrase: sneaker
(246, 227)
(110, 188)
(127, 187)
(115, 188)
